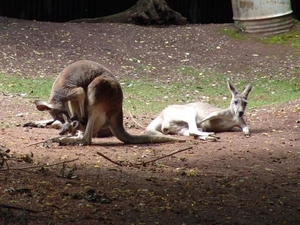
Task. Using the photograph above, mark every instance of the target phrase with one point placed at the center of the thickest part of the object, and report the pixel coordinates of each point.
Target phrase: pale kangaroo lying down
(199, 119)
(96, 99)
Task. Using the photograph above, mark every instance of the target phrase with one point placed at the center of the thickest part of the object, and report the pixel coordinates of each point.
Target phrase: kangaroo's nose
(241, 113)
(165, 130)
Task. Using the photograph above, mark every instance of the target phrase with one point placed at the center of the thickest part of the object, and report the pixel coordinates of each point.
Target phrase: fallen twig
(20, 208)
(44, 165)
(165, 156)
(67, 174)
(139, 125)
(143, 163)
(41, 142)
(105, 157)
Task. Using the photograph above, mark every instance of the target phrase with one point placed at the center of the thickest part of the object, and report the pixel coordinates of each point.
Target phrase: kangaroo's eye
(235, 102)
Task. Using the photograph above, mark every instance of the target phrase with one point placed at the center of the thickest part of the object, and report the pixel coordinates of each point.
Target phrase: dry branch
(55, 139)
(165, 156)
(19, 208)
(139, 125)
(105, 157)
(143, 163)
(44, 165)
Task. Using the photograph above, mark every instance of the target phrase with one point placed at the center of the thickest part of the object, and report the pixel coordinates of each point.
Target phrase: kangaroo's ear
(42, 105)
(247, 90)
(66, 119)
(75, 124)
(232, 89)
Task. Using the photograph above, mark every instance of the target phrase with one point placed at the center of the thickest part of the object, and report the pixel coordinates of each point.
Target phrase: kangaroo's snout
(240, 113)
(165, 130)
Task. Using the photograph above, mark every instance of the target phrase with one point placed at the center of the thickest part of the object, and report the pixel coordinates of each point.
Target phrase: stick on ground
(41, 142)
(144, 163)
(19, 208)
(165, 156)
(44, 165)
(105, 157)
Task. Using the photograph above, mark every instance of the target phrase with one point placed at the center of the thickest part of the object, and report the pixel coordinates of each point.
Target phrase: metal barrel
(262, 16)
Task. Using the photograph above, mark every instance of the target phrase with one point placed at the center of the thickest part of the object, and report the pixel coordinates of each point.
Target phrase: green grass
(148, 97)
(268, 91)
(29, 87)
(291, 38)
(233, 32)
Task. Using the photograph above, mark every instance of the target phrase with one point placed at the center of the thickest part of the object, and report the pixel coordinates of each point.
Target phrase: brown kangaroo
(95, 98)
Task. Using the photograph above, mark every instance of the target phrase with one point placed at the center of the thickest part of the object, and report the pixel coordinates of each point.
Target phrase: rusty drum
(262, 16)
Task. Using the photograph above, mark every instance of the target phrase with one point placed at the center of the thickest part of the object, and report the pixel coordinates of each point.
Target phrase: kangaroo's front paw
(246, 131)
(210, 137)
(214, 136)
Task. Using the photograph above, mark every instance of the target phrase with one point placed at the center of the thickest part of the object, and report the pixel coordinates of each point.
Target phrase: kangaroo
(200, 119)
(96, 100)
(70, 127)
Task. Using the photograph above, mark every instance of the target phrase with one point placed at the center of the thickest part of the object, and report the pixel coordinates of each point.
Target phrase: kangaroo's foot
(72, 140)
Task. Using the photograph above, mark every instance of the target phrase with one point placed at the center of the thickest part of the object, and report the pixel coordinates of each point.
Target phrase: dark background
(196, 11)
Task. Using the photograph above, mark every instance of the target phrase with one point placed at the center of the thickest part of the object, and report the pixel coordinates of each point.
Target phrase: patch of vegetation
(291, 37)
(233, 32)
(30, 87)
(270, 91)
(143, 96)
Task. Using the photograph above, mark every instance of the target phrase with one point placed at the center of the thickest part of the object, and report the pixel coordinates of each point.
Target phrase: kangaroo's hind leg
(101, 105)
(198, 133)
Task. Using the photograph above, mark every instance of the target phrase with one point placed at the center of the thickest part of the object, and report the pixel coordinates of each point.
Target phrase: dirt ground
(236, 180)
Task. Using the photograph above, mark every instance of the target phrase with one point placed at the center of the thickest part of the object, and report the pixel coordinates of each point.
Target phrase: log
(144, 12)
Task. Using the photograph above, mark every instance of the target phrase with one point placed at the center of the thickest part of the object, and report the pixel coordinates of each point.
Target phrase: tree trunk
(144, 12)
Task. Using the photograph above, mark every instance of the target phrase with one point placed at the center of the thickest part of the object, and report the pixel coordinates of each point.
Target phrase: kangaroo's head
(57, 114)
(238, 100)
(69, 126)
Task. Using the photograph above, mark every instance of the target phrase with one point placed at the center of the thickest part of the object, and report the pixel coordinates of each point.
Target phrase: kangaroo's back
(79, 74)
(204, 109)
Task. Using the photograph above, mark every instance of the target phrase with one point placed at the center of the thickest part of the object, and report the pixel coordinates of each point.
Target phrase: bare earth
(236, 180)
